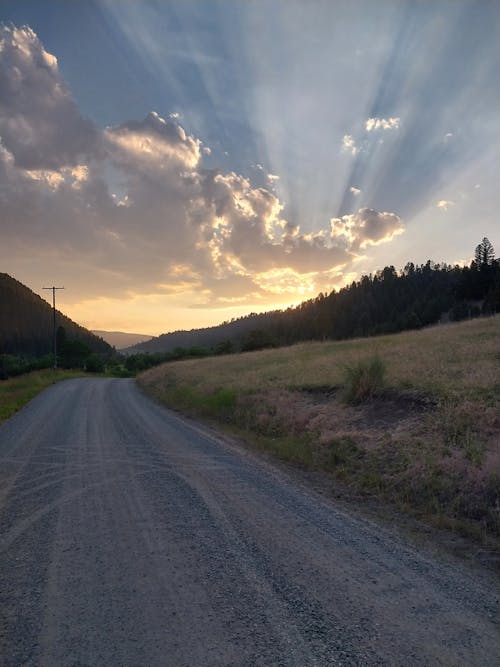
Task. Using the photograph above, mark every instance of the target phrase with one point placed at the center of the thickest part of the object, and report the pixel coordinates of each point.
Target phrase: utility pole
(54, 321)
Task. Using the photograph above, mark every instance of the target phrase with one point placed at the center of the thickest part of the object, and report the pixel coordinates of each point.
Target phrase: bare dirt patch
(388, 408)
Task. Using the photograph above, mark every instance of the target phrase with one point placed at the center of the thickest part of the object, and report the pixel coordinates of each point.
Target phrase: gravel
(130, 536)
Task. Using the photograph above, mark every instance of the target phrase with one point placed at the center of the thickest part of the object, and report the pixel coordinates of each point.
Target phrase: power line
(54, 320)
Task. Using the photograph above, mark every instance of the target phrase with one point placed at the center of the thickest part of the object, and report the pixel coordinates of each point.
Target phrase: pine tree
(484, 254)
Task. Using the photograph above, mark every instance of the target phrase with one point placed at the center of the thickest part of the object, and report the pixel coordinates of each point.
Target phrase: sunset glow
(177, 164)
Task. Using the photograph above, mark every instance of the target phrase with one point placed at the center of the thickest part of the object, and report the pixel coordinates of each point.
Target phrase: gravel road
(130, 536)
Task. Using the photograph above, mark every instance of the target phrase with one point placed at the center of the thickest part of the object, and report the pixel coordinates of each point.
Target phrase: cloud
(153, 142)
(373, 124)
(244, 230)
(365, 228)
(354, 191)
(444, 204)
(287, 281)
(349, 144)
(40, 124)
(137, 212)
(272, 178)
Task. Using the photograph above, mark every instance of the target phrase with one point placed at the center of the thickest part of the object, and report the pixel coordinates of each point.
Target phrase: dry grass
(430, 442)
(16, 392)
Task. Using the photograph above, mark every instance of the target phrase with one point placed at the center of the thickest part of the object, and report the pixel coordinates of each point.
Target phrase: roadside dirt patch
(386, 409)
(391, 408)
(390, 413)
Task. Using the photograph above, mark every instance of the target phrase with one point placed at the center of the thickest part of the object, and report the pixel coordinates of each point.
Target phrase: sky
(176, 164)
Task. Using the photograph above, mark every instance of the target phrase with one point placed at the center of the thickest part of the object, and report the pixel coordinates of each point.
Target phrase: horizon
(176, 166)
(399, 271)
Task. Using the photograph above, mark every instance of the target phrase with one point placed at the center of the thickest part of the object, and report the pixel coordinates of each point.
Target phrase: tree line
(387, 301)
(390, 301)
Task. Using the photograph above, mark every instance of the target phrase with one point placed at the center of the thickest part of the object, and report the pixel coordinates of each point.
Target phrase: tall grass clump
(363, 380)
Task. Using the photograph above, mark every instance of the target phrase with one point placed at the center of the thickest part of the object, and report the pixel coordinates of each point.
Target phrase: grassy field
(16, 392)
(422, 431)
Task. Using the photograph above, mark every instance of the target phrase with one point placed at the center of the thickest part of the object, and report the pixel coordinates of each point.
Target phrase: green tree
(224, 347)
(484, 254)
(257, 339)
(95, 363)
(73, 354)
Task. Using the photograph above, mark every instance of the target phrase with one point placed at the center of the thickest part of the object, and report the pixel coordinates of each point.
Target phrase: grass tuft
(364, 380)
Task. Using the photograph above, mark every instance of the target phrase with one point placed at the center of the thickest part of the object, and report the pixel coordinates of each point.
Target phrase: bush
(73, 354)
(363, 380)
(342, 452)
(221, 404)
(11, 366)
(258, 339)
(94, 364)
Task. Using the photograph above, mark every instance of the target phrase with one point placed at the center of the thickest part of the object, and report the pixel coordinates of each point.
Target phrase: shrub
(341, 452)
(73, 354)
(258, 339)
(220, 404)
(11, 366)
(94, 364)
(363, 380)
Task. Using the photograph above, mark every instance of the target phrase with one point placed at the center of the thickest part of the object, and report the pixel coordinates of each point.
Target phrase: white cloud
(444, 204)
(382, 124)
(153, 142)
(365, 228)
(354, 191)
(349, 144)
(272, 178)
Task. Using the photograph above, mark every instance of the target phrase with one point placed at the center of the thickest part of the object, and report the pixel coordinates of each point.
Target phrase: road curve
(129, 536)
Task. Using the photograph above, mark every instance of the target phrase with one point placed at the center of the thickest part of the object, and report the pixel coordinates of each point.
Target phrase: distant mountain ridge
(122, 339)
(26, 324)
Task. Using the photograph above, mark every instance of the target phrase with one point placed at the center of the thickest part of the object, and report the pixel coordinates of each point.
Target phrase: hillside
(234, 331)
(413, 418)
(26, 325)
(122, 339)
(386, 302)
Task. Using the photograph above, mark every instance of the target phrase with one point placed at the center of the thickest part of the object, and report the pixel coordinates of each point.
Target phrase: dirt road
(129, 536)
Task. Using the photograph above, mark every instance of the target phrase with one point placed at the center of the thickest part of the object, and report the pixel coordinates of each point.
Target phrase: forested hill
(386, 302)
(26, 325)
(211, 337)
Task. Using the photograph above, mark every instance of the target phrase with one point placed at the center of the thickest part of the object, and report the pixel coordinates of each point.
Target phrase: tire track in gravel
(130, 536)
